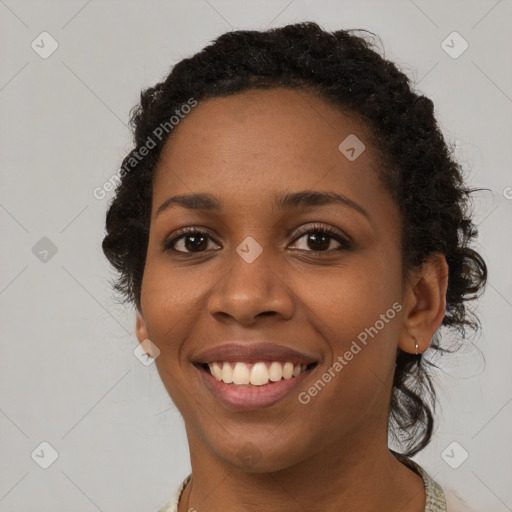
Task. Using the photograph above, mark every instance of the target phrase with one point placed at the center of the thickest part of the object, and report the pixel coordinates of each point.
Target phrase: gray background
(68, 374)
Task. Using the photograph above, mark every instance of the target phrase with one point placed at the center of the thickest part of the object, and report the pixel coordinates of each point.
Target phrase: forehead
(260, 141)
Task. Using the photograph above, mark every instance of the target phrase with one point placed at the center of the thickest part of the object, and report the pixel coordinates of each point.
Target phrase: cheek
(356, 310)
(352, 298)
(171, 301)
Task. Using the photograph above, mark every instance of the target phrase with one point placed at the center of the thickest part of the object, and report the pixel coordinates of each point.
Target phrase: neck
(345, 478)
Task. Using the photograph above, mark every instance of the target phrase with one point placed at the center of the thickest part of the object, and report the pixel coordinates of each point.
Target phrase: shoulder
(172, 504)
(438, 499)
(454, 503)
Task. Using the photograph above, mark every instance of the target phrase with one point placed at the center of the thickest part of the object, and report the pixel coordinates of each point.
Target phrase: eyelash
(345, 243)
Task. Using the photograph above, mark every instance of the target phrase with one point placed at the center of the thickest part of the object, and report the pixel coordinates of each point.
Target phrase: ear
(141, 329)
(424, 304)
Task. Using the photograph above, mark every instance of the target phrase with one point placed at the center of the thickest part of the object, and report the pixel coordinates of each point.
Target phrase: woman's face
(260, 277)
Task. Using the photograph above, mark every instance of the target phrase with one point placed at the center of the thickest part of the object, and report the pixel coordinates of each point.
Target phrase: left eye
(320, 240)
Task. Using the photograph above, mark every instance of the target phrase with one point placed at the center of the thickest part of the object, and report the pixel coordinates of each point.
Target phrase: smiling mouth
(261, 373)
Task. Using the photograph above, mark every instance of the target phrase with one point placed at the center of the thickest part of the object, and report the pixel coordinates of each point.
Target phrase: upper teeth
(257, 374)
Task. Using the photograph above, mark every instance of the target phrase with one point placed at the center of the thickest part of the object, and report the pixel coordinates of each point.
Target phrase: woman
(292, 229)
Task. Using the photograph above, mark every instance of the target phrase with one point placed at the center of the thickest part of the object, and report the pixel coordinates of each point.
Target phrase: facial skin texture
(331, 454)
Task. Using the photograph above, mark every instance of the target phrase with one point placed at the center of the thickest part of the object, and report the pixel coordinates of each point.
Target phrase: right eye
(190, 240)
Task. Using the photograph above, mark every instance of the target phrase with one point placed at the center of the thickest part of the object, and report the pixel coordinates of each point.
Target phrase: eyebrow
(289, 201)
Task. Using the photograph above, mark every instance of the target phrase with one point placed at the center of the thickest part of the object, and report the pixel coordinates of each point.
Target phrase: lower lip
(250, 398)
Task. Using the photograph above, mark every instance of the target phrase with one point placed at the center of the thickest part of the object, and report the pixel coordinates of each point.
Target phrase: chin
(261, 456)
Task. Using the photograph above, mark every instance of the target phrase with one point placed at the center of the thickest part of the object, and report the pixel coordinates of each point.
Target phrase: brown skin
(331, 454)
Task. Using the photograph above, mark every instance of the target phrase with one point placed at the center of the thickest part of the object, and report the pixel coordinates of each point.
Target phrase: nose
(251, 289)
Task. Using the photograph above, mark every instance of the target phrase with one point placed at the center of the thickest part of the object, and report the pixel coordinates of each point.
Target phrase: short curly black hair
(417, 166)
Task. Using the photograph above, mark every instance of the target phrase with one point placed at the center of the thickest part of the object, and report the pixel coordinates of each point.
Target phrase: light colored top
(436, 500)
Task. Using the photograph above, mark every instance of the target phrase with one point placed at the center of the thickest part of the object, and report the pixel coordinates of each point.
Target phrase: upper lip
(252, 352)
